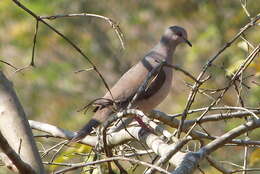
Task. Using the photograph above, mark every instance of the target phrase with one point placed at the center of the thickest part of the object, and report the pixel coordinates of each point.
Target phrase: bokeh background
(52, 92)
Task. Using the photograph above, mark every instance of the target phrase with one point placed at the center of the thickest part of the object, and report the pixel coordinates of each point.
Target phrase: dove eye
(179, 34)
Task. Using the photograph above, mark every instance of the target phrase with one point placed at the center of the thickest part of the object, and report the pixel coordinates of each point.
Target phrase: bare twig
(34, 42)
(59, 149)
(32, 63)
(9, 64)
(111, 22)
(189, 165)
(242, 67)
(83, 70)
(244, 4)
(183, 71)
(245, 161)
(80, 165)
(47, 151)
(217, 165)
(196, 85)
(66, 39)
(247, 170)
(224, 108)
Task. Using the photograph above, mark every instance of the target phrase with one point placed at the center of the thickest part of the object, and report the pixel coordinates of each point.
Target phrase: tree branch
(15, 128)
(22, 167)
(188, 166)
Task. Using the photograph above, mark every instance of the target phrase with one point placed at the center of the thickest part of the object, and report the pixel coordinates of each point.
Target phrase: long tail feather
(86, 130)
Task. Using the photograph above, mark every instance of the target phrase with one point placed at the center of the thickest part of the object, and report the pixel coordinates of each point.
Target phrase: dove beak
(187, 42)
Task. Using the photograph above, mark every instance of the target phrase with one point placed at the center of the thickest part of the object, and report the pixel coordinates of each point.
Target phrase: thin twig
(76, 166)
(182, 70)
(9, 64)
(111, 22)
(196, 85)
(34, 42)
(66, 39)
(58, 151)
(46, 152)
(244, 4)
(32, 63)
(242, 67)
(248, 170)
(217, 165)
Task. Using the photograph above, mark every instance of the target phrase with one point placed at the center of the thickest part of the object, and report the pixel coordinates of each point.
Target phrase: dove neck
(166, 50)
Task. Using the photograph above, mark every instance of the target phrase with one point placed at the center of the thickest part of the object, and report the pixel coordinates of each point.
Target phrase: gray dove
(126, 87)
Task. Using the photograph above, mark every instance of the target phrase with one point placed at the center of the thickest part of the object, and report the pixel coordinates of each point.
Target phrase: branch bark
(188, 166)
(15, 128)
(185, 162)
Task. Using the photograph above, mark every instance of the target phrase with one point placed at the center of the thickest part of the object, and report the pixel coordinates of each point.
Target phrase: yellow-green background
(51, 92)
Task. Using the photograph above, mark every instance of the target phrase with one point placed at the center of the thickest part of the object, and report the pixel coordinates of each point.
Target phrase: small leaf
(69, 154)
(243, 45)
(234, 67)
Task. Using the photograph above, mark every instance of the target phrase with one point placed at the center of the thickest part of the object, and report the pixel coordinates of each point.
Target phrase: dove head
(175, 35)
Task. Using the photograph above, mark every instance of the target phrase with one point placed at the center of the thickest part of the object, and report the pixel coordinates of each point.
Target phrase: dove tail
(86, 130)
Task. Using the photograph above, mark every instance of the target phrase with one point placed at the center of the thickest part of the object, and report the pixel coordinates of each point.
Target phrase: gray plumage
(126, 87)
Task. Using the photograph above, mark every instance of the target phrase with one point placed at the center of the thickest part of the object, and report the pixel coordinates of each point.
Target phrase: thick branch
(15, 127)
(207, 118)
(22, 167)
(117, 138)
(214, 145)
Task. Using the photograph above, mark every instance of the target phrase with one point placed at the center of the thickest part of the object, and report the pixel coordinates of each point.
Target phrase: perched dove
(126, 87)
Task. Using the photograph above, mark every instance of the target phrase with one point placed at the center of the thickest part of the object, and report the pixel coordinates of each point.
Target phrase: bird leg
(142, 124)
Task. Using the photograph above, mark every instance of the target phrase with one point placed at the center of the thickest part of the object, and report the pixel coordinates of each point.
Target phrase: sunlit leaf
(70, 153)
(255, 157)
(234, 67)
(243, 45)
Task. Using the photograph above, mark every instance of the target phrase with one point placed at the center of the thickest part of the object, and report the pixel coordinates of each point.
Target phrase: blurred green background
(52, 91)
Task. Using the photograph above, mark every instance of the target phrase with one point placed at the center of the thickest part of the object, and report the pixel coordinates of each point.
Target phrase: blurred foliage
(71, 153)
(255, 157)
(51, 92)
